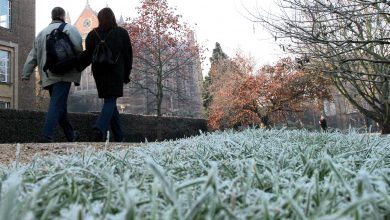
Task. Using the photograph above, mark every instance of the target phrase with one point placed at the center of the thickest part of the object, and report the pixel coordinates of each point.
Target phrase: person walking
(108, 41)
(58, 85)
(323, 124)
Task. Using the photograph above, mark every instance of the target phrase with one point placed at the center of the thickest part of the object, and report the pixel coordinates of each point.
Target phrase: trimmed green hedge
(26, 126)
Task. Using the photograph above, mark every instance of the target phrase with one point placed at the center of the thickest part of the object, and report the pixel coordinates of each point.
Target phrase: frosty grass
(253, 174)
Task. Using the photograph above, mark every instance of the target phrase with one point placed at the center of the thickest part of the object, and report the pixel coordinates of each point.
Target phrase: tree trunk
(159, 92)
(159, 101)
(265, 121)
(385, 128)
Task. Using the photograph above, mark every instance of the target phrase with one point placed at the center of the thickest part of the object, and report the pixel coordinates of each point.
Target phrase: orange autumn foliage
(243, 96)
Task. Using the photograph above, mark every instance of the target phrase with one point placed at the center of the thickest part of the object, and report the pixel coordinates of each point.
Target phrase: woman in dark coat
(109, 78)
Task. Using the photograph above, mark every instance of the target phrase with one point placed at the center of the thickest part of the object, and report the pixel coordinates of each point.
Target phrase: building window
(5, 13)
(87, 23)
(4, 66)
(4, 105)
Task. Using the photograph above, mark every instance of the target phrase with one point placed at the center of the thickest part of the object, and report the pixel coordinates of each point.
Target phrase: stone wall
(26, 126)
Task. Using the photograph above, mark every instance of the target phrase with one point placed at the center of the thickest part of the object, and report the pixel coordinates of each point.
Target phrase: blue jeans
(109, 117)
(57, 112)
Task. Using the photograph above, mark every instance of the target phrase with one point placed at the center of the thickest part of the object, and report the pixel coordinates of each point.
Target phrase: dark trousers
(57, 112)
(109, 117)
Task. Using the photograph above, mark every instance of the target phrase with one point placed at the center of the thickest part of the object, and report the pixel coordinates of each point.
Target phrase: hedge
(25, 127)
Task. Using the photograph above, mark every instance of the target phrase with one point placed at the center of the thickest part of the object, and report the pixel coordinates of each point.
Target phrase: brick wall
(22, 34)
(26, 126)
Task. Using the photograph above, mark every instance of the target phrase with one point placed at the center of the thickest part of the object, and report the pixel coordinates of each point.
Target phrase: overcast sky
(213, 20)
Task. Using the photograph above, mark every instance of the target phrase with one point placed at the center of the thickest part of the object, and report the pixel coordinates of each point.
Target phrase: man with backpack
(55, 52)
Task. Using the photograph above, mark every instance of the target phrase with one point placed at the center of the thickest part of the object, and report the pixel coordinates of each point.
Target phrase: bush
(26, 126)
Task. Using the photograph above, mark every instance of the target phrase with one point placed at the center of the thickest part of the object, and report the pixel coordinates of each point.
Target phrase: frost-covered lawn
(253, 174)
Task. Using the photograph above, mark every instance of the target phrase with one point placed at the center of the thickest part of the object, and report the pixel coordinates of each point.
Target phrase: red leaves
(159, 37)
(163, 50)
(242, 98)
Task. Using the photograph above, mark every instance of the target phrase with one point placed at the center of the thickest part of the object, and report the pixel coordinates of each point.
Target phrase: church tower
(86, 21)
(84, 98)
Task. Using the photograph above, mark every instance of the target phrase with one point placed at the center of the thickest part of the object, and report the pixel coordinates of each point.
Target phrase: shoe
(44, 139)
(98, 136)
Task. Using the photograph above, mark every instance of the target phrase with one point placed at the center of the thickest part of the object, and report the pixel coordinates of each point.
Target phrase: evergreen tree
(217, 56)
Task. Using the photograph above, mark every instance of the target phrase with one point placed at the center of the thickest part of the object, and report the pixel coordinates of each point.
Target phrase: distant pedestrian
(58, 85)
(323, 124)
(108, 48)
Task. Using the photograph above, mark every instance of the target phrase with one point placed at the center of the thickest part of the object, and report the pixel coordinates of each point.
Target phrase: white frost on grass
(254, 174)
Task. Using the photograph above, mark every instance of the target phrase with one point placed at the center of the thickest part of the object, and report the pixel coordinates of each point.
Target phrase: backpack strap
(97, 34)
(61, 27)
(105, 37)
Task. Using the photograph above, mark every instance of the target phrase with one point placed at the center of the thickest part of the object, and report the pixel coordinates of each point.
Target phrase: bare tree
(347, 39)
(164, 51)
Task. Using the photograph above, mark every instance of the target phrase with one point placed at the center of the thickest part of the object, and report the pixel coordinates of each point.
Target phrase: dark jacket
(323, 124)
(110, 78)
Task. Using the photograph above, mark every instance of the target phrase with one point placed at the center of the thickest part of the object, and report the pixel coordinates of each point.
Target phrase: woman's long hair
(106, 19)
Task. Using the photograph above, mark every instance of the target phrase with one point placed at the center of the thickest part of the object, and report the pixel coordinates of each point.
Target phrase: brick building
(135, 101)
(17, 31)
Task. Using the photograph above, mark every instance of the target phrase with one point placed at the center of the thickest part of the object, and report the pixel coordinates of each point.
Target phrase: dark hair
(106, 19)
(57, 13)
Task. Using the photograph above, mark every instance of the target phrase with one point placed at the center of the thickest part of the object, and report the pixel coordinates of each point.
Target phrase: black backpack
(61, 56)
(102, 53)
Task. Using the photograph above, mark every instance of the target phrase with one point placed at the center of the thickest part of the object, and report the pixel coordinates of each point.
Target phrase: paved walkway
(29, 150)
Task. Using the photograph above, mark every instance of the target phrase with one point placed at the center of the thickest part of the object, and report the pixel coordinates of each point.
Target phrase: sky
(220, 21)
